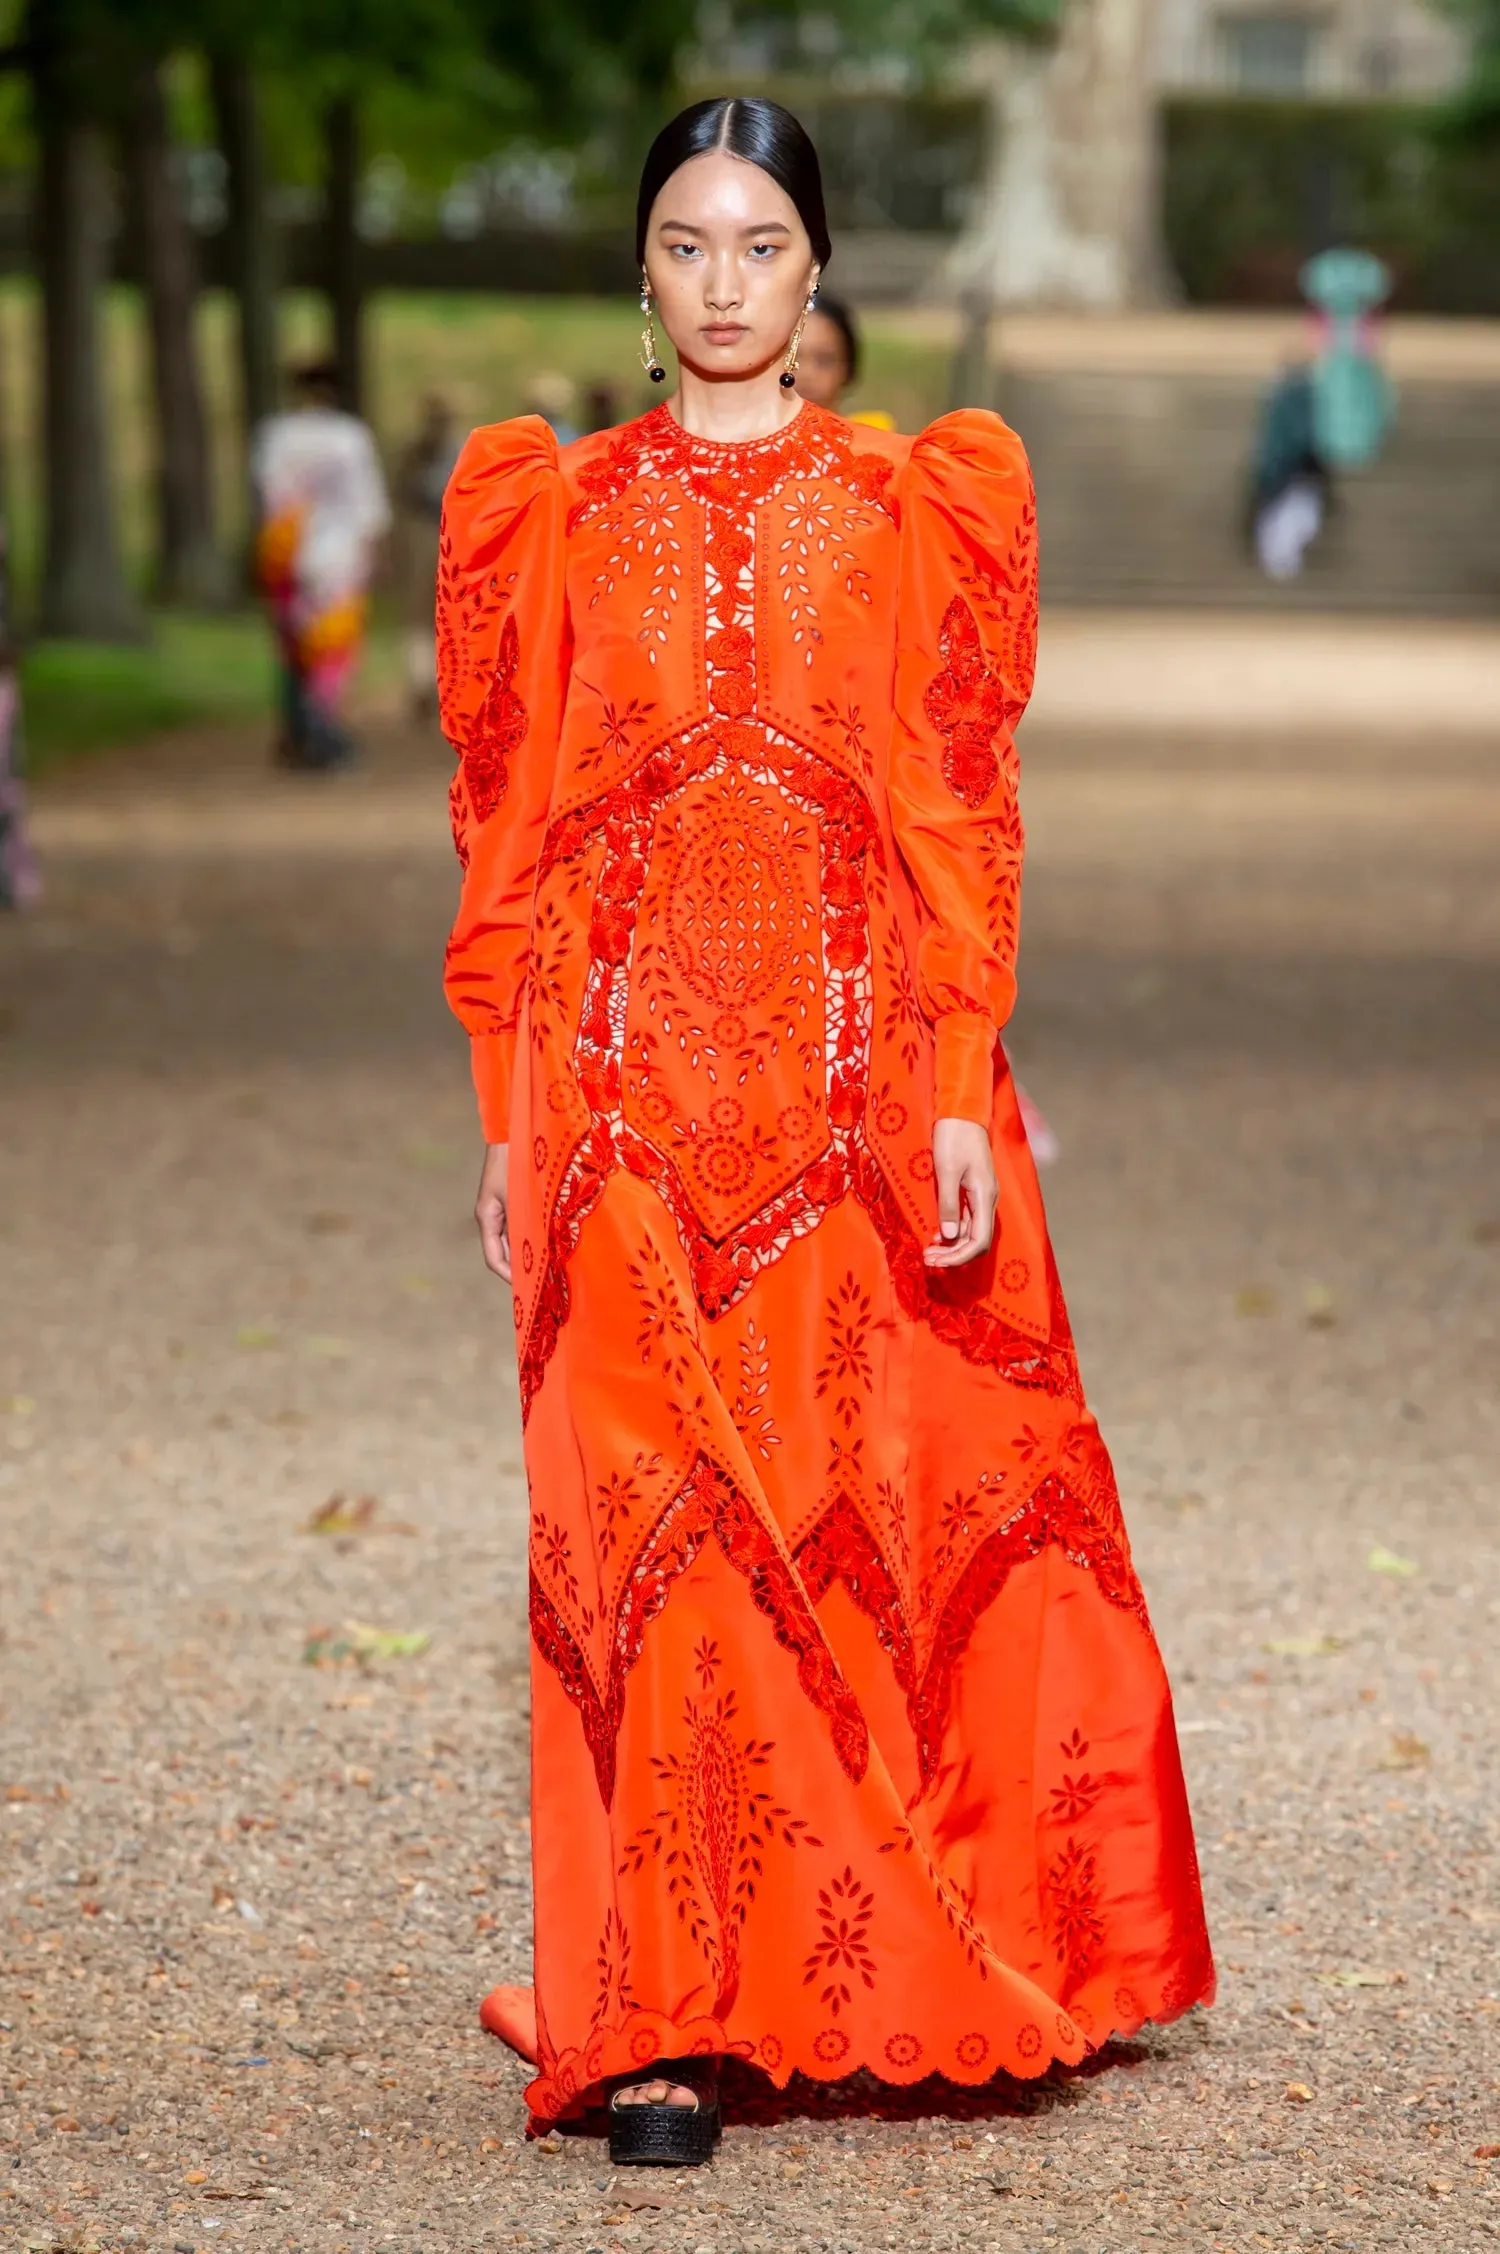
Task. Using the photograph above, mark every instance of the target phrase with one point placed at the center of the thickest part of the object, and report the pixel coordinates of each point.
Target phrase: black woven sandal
(667, 2136)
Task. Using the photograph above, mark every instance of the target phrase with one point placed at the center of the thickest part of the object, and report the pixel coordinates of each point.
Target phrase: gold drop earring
(789, 372)
(650, 359)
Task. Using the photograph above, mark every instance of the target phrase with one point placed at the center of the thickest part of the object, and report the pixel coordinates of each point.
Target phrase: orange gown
(852, 1746)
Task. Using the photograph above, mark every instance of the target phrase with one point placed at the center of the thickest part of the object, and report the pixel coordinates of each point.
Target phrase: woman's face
(729, 264)
(822, 361)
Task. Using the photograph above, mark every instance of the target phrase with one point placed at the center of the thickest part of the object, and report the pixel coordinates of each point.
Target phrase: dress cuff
(492, 1058)
(965, 1068)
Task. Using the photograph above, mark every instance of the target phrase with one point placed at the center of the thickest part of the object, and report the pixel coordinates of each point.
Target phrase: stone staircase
(1141, 476)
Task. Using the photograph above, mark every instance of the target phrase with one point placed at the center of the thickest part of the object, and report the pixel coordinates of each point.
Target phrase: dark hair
(835, 310)
(314, 376)
(764, 134)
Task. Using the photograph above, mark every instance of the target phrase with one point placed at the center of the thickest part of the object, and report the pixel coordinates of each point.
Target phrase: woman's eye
(683, 250)
(763, 250)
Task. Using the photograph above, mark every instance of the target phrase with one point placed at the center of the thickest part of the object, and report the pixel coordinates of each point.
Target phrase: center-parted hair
(761, 132)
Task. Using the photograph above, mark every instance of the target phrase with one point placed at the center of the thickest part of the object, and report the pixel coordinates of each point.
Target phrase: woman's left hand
(966, 1193)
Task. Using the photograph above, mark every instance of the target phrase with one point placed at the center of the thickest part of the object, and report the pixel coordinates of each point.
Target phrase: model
(852, 1744)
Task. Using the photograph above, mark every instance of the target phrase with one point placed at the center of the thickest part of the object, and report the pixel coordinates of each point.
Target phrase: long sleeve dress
(852, 1745)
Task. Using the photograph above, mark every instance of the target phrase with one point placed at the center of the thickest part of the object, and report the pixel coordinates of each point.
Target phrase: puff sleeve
(965, 657)
(503, 653)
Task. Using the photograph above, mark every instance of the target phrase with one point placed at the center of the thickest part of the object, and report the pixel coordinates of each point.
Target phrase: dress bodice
(734, 725)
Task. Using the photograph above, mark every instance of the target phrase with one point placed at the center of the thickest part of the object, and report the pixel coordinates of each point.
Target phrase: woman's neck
(726, 409)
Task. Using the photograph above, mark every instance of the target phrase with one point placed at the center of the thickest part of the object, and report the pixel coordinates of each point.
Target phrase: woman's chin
(731, 364)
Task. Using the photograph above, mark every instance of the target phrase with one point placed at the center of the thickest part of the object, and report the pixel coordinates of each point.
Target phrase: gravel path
(250, 1903)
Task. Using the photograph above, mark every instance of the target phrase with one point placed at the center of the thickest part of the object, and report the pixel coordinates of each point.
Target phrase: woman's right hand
(492, 1210)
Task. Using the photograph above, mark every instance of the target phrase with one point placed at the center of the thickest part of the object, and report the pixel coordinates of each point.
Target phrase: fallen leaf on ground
(328, 1224)
(343, 1515)
(1299, 2093)
(256, 1337)
(431, 1157)
(1320, 1307)
(1254, 1299)
(1406, 1752)
(1361, 1976)
(327, 1348)
(1387, 1561)
(1487, 2152)
(1306, 1647)
(359, 1642)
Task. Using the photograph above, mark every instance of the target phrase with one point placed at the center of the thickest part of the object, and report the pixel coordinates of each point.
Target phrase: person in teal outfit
(1353, 403)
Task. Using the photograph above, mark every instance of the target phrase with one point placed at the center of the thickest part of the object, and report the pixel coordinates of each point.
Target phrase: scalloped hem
(571, 2083)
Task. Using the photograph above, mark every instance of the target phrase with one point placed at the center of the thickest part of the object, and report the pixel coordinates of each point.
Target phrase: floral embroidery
(707, 1506)
(1079, 1792)
(815, 447)
(612, 1957)
(498, 732)
(710, 1837)
(1072, 1893)
(966, 704)
(842, 1951)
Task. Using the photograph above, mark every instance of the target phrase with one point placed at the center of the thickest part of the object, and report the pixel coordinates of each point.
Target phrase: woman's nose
(723, 292)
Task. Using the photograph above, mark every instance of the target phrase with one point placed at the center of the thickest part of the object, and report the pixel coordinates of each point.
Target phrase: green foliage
(87, 696)
(1472, 119)
(1252, 187)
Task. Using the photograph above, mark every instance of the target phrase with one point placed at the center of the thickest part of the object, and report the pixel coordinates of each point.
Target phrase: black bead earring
(788, 376)
(649, 357)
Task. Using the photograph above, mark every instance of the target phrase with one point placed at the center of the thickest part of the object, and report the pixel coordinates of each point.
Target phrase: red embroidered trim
(841, 1547)
(1053, 1513)
(458, 818)
(582, 1187)
(499, 730)
(707, 1503)
(966, 705)
(816, 444)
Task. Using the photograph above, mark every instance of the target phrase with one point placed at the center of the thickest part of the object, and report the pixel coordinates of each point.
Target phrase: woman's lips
(724, 332)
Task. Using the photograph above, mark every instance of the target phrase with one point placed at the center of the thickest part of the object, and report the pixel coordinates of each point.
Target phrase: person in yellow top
(828, 360)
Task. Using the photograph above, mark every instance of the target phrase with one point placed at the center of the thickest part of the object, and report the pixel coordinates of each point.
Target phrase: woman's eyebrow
(686, 227)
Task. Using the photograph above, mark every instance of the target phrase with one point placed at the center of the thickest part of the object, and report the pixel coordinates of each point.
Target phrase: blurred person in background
(423, 473)
(1289, 481)
(1353, 400)
(829, 360)
(323, 513)
(851, 1744)
(601, 406)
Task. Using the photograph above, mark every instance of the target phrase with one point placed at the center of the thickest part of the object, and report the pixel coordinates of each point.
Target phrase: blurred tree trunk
(344, 277)
(251, 241)
(190, 567)
(1070, 212)
(84, 592)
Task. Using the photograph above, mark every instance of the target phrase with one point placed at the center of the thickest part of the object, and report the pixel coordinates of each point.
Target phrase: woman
(852, 1745)
(323, 514)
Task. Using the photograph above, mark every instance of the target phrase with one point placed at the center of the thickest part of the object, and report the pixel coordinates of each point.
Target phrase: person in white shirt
(323, 512)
